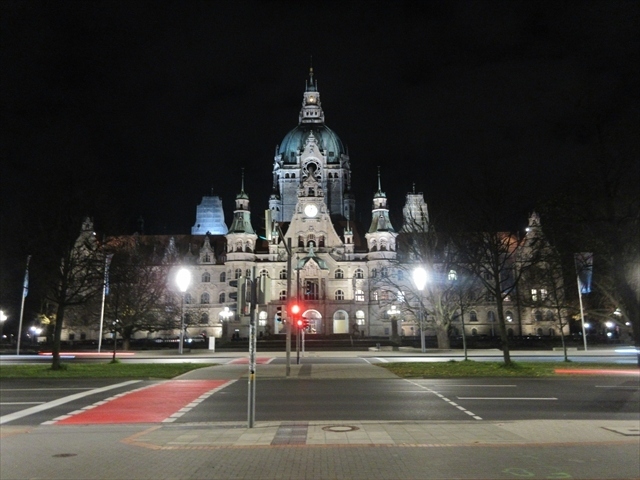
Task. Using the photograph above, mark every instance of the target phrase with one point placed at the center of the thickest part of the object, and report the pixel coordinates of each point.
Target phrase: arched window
(452, 276)
(508, 316)
(339, 295)
(550, 317)
(282, 295)
(204, 319)
(538, 316)
(510, 332)
(339, 273)
(374, 272)
(473, 316)
(360, 318)
(321, 241)
(552, 332)
(222, 298)
(400, 275)
(359, 273)
(206, 258)
(383, 272)
(264, 273)
(539, 332)
(283, 274)
(474, 332)
(223, 277)
(204, 298)
(491, 316)
(248, 273)
(237, 273)
(206, 277)
(187, 298)
(359, 296)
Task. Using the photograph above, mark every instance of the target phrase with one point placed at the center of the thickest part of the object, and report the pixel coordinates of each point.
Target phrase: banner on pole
(25, 284)
(584, 269)
(107, 263)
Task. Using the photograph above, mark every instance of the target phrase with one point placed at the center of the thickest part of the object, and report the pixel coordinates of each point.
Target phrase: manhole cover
(64, 455)
(340, 428)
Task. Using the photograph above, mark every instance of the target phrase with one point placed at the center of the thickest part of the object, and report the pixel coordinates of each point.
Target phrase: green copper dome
(294, 141)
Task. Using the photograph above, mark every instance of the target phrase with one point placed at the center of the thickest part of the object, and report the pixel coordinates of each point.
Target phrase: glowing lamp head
(183, 279)
(420, 278)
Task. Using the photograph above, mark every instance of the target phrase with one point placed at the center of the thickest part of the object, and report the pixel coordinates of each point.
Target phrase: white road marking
(21, 403)
(61, 401)
(467, 386)
(628, 387)
(187, 408)
(453, 404)
(41, 389)
(506, 398)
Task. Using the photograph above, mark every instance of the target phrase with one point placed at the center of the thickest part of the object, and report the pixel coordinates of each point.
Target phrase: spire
(379, 193)
(311, 111)
(242, 182)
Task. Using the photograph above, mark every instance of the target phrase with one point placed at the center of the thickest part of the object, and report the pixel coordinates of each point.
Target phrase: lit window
(359, 296)
(452, 276)
(543, 294)
(508, 316)
(360, 319)
(400, 296)
(534, 295)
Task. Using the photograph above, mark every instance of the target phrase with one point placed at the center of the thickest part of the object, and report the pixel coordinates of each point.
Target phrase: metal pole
(289, 296)
(104, 294)
(303, 342)
(25, 290)
(423, 345)
(251, 404)
(180, 347)
(584, 333)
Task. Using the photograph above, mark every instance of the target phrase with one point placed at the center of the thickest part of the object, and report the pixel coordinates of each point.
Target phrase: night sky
(164, 101)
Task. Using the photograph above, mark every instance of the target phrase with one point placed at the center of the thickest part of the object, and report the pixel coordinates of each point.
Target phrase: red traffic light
(295, 308)
(300, 323)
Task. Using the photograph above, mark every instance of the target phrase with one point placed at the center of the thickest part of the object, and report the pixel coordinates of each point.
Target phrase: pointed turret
(311, 111)
(381, 237)
(241, 239)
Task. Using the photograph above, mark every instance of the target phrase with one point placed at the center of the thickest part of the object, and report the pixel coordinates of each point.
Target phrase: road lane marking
(450, 402)
(41, 389)
(61, 401)
(627, 387)
(467, 386)
(21, 403)
(506, 398)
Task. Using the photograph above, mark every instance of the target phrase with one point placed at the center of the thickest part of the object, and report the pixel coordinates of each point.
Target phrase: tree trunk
(57, 336)
(442, 335)
(504, 339)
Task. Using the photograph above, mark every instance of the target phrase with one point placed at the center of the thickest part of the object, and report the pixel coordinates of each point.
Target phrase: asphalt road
(287, 399)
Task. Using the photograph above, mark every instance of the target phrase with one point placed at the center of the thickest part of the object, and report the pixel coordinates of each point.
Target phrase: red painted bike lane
(156, 403)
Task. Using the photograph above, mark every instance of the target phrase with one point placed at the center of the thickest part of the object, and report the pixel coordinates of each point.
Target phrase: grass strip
(100, 370)
(470, 368)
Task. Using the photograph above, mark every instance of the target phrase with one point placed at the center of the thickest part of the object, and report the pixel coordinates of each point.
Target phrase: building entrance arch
(341, 322)
(315, 321)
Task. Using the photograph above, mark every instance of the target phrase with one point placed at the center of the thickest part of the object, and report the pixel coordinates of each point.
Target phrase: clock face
(310, 210)
(312, 99)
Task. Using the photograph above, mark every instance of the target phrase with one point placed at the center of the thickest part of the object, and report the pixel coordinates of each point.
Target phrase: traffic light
(302, 323)
(294, 309)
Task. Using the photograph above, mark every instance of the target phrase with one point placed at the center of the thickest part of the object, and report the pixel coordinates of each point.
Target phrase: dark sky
(163, 101)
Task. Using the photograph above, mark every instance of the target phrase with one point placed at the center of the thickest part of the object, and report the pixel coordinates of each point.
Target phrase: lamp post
(393, 312)
(3, 317)
(183, 279)
(420, 280)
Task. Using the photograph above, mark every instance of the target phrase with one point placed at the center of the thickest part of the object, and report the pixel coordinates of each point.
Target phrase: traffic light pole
(251, 404)
(289, 320)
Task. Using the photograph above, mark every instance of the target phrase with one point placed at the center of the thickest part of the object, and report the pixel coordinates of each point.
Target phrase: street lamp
(420, 279)
(35, 332)
(183, 279)
(394, 312)
(3, 317)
